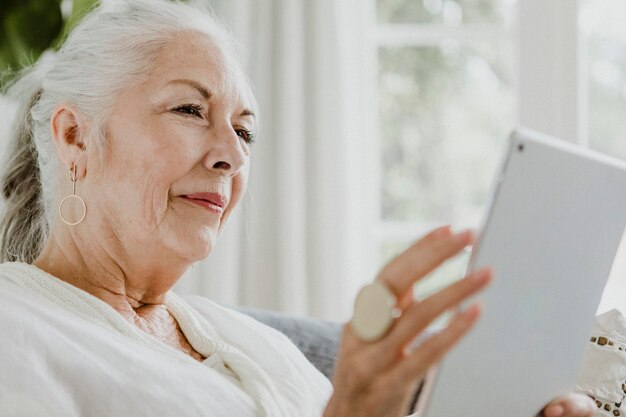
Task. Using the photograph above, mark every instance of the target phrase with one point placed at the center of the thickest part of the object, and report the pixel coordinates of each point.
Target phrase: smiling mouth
(211, 201)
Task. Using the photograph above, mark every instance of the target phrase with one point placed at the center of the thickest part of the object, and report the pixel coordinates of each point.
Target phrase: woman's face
(177, 154)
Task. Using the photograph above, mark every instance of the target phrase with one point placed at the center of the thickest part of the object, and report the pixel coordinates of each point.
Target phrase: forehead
(192, 55)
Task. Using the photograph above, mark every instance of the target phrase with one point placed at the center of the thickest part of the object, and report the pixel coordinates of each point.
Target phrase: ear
(69, 134)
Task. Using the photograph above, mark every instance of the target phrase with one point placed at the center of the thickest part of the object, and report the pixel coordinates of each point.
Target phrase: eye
(189, 109)
(245, 134)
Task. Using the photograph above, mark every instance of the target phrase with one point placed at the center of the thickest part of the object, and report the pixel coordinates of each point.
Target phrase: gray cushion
(317, 339)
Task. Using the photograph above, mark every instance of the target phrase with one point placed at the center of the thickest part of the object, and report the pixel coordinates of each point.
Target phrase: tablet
(551, 234)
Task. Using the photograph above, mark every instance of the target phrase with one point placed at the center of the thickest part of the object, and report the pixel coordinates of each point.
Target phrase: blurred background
(380, 119)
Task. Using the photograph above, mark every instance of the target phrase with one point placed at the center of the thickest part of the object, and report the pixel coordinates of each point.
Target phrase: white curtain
(302, 240)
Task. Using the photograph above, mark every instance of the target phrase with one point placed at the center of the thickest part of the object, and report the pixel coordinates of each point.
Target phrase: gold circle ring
(82, 202)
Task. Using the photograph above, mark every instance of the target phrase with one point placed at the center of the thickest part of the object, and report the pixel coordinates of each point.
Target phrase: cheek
(239, 185)
(140, 168)
(240, 182)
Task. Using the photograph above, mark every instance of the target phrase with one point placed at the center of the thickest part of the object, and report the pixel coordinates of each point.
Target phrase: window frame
(549, 79)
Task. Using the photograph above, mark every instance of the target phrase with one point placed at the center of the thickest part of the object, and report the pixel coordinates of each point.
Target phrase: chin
(197, 245)
(191, 234)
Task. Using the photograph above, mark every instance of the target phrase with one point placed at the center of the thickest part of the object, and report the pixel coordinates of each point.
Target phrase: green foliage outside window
(443, 11)
(445, 111)
(30, 27)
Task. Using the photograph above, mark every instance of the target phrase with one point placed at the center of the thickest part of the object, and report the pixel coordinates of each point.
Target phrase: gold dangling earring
(73, 196)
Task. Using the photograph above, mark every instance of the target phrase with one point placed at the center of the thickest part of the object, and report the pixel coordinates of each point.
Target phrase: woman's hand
(377, 379)
(571, 405)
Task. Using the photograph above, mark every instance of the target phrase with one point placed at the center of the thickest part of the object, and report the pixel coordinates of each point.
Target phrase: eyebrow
(201, 89)
(247, 112)
(206, 93)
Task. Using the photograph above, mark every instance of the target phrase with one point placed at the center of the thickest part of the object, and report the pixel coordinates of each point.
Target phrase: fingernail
(442, 231)
(482, 274)
(555, 411)
(470, 314)
(464, 236)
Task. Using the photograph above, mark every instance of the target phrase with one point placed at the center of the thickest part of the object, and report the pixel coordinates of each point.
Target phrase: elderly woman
(130, 152)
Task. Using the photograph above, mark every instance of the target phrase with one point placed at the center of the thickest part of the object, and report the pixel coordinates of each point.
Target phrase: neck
(129, 284)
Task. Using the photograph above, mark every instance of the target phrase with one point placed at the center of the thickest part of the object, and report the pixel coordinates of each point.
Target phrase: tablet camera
(520, 147)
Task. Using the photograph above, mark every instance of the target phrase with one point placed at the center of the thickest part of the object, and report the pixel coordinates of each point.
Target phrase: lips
(212, 201)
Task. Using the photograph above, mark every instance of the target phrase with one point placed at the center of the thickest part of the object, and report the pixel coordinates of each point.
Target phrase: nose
(226, 154)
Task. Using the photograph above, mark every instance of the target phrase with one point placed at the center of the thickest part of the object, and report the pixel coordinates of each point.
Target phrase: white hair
(113, 46)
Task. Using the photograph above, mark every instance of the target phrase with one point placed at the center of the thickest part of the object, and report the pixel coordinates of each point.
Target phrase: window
(604, 40)
(456, 75)
(447, 82)
(604, 37)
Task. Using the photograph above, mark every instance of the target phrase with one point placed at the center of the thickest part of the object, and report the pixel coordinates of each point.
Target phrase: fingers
(571, 405)
(417, 317)
(364, 370)
(433, 349)
(423, 257)
(407, 300)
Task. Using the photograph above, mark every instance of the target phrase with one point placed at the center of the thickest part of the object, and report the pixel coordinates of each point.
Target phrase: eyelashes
(246, 135)
(196, 110)
(190, 109)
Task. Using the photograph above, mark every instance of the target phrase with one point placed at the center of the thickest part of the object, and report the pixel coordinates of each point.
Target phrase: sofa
(317, 339)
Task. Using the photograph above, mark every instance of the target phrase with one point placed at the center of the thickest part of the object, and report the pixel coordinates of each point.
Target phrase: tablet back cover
(554, 225)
